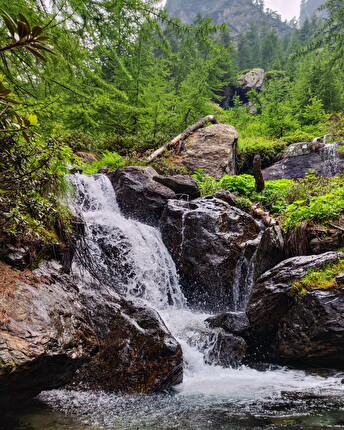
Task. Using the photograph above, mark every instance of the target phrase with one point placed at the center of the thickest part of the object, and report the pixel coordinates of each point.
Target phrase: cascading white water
(123, 254)
(131, 258)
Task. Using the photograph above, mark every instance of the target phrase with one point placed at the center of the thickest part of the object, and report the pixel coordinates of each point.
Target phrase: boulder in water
(312, 332)
(230, 322)
(138, 355)
(45, 334)
(225, 350)
(206, 238)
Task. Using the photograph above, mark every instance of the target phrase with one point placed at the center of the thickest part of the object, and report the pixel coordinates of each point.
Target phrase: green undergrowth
(294, 202)
(323, 279)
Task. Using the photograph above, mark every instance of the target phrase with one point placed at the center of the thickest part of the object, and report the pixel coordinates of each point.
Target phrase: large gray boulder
(252, 80)
(212, 149)
(302, 157)
(206, 238)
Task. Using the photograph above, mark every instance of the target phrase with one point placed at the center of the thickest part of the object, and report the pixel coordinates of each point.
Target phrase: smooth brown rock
(212, 149)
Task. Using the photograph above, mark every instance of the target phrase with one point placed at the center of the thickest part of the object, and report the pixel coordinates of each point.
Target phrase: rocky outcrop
(282, 322)
(270, 250)
(142, 193)
(206, 238)
(225, 350)
(252, 80)
(44, 333)
(212, 149)
(138, 355)
(271, 297)
(312, 332)
(49, 328)
(238, 14)
(302, 157)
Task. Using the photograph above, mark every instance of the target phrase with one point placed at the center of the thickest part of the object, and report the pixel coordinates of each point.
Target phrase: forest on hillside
(120, 78)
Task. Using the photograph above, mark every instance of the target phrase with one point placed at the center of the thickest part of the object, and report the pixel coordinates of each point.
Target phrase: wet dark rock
(270, 250)
(340, 279)
(312, 332)
(183, 185)
(230, 322)
(44, 333)
(206, 237)
(226, 350)
(272, 298)
(138, 355)
(226, 196)
(139, 196)
(49, 328)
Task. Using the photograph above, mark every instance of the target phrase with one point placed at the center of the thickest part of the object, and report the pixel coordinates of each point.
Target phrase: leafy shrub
(112, 160)
(243, 185)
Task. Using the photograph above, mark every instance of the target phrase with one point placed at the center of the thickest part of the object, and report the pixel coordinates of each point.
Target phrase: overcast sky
(286, 8)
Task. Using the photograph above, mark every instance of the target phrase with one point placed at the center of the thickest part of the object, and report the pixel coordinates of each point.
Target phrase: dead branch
(178, 140)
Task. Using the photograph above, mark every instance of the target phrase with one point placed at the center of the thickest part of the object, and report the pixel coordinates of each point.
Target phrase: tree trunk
(257, 173)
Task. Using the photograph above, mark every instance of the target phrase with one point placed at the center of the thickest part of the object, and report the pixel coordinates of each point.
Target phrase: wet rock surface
(312, 332)
(226, 350)
(271, 297)
(50, 327)
(230, 322)
(206, 238)
(212, 149)
(270, 250)
(138, 355)
(138, 195)
(292, 329)
(45, 334)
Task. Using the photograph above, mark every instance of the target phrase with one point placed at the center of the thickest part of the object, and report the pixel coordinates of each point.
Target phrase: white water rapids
(210, 397)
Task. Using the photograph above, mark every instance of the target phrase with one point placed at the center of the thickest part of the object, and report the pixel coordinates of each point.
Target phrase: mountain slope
(309, 8)
(238, 14)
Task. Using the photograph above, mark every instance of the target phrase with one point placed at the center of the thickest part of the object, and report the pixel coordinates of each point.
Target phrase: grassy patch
(323, 279)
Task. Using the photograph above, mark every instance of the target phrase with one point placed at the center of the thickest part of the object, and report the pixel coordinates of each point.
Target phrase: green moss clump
(323, 279)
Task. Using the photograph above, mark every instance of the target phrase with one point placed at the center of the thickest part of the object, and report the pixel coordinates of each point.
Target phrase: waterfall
(131, 258)
(123, 254)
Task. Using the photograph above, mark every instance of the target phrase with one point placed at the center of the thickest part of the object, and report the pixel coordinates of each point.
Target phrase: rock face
(142, 194)
(45, 335)
(212, 149)
(226, 350)
(49, 328)
(252, 80)
(238, 14)
(206, 238)
(138, 355)
(286, 322)
(312, 332)
(270, 250)
(302, 157)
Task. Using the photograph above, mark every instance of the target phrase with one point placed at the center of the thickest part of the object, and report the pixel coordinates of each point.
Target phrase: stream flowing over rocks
(183, 308)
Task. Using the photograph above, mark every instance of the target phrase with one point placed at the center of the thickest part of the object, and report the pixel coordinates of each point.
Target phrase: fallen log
(178, 140)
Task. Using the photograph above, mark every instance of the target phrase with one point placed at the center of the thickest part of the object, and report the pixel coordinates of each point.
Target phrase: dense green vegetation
(121, 78)
(294, 202)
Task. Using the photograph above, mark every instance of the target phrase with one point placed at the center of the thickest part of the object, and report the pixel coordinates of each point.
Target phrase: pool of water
(225, 399)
